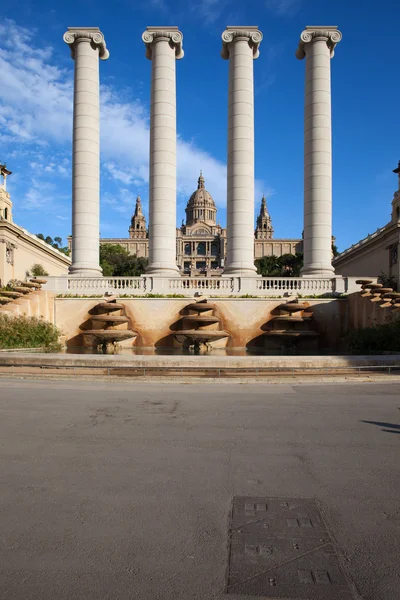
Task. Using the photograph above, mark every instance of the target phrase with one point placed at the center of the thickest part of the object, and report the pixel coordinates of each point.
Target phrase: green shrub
(375, 340)
(27, 332)
(38, 270)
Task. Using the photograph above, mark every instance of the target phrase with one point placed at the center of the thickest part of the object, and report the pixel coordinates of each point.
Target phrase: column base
(233, 271)
(85, 271)
(156, 271)
(317, 271)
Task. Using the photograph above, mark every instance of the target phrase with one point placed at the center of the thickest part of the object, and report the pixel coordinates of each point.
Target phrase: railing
(188, 286)
(295, 285)
(202, 283)
(103, 284)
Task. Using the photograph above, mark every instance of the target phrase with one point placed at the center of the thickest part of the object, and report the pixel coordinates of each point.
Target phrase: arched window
(187, 249)
(138, 226)
(6, 213)
(201, 249)
(265, 226)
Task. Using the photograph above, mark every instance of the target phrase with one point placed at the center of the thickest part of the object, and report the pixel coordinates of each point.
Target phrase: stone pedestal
(317, 46)
(163, 46)
(240, 45)
(87, 46)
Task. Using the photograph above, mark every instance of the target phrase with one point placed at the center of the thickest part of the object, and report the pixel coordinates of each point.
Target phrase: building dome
(201, 207)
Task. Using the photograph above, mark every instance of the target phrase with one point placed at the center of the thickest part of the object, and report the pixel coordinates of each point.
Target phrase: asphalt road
(122, 491)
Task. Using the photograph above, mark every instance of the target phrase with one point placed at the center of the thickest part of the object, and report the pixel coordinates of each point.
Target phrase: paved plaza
(124, 490)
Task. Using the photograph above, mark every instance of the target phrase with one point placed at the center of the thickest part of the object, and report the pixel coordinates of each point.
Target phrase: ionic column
(240, 45)
(317, 45)
(87, 46)
(163, 46)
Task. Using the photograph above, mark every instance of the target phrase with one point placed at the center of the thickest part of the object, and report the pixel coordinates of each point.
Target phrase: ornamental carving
(331, 35)
(92, 35)
(174, 37)
(252, 35)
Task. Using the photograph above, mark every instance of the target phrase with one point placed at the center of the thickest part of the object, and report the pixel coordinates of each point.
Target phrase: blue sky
(36, 108)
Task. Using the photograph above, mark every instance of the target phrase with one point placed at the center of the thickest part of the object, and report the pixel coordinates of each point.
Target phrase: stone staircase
(29, 299)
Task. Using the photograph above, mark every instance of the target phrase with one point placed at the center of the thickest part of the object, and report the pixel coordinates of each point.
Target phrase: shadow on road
(388, 427)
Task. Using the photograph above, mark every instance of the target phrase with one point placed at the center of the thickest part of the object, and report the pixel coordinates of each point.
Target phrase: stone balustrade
(295, 285)
(212, 286)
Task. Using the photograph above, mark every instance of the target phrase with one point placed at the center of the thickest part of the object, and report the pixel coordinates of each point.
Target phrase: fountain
(199, 327)
(105, 326)
(292, 327)
(375, 292)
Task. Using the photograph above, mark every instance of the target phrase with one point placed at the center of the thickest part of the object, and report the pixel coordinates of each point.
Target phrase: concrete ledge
(210, 361)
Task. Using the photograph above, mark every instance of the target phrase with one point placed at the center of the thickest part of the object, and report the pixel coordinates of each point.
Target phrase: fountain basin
(109, 306)
(110, 319)
(108, 336)
(200, 307)
(200, 335)
(291, 333)
(202, 319)
(293, 307)
(14, 295)
(22, 289)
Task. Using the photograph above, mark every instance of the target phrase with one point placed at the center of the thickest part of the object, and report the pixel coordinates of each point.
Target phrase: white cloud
(283, 8)
(209, 11)
(36, 110)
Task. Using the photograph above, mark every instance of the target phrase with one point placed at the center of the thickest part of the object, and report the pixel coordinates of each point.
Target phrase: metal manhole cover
(280, 548)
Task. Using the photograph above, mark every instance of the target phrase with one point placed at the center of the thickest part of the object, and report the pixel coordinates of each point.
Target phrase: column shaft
(163, 47)
(86, 163)
(241, 47)
(317, 46)
(87, 46)
(240, 181)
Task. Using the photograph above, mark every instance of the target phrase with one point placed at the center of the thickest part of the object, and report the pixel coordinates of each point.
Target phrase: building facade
(19, 249)
(201, 242)
(378, 253)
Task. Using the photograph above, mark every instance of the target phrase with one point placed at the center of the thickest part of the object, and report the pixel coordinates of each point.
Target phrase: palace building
(201, 242)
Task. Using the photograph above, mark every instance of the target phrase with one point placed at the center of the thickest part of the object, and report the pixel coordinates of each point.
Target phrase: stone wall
(19, 250)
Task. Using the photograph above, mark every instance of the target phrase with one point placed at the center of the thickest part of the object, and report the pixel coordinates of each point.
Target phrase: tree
(287, 265)
(117, 262)
(56, 243)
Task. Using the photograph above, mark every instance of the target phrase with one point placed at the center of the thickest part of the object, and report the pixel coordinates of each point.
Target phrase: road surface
(123, 490)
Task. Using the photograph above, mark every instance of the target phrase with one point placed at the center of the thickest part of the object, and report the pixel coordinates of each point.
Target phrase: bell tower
(264, 229)
(5, 200)
(138, 229)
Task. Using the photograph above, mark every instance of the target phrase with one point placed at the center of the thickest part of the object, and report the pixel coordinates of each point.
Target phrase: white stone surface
(317, 46)
(163, 46)
(87, 46)
(240, 46)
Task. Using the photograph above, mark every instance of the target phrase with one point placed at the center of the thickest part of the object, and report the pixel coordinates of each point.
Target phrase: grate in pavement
(280, 548)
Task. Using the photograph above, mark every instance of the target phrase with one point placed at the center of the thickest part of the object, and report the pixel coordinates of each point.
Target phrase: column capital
(93, 35)
(169, 34)
(328, 33)
(250, 33)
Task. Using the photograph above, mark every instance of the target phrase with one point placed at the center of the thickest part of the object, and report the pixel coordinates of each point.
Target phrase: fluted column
(87, 46)
(317, 46)
(163, 46)
(240, 45)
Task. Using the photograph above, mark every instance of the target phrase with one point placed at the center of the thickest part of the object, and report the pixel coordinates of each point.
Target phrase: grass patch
(28, 332)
